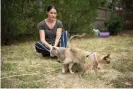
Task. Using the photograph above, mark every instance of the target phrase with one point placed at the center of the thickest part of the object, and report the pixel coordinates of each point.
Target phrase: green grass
(23, 67)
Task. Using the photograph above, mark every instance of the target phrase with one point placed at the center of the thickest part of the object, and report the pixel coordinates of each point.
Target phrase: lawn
(23, 67)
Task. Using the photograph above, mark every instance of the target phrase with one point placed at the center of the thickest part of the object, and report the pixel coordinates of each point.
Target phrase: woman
(50, 31)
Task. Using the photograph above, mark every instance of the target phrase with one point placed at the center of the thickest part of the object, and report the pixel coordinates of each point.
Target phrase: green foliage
(106, 3)
(18, 17)
(76, 15)
(21, 17)
(115, 25)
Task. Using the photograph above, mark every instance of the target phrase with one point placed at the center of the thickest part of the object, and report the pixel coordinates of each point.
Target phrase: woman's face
(52, 14)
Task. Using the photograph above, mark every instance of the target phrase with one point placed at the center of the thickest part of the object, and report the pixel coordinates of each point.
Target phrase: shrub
(115, 25)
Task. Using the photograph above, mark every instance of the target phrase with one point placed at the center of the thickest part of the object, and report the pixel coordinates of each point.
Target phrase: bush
(17, 20)
(115, 25)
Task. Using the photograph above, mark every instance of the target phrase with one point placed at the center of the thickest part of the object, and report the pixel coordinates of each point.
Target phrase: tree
(76, 15)
(21, 17)
(18, 17)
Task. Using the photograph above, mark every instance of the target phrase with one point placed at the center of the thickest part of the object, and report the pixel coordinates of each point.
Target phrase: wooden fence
(105, 14)
(128, 18)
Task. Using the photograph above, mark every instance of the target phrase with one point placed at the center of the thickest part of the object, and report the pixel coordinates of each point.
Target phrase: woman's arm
(58, 36)
(42, 38)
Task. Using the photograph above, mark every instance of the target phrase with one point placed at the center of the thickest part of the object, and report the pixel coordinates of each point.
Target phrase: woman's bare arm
(42, 39)
(58, 36)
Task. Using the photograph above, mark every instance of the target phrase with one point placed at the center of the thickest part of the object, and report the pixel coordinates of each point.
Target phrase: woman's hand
(52, 47)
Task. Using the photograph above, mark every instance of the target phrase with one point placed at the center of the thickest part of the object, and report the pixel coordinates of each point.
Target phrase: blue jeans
(41, 48)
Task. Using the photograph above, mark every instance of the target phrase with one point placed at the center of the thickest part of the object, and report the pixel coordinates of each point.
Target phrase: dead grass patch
(46, 72)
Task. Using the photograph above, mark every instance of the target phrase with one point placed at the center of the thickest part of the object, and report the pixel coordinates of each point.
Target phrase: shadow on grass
(125, 66)
(123, 82)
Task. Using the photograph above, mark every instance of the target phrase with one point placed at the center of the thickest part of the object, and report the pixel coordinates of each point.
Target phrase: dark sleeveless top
(50, 34)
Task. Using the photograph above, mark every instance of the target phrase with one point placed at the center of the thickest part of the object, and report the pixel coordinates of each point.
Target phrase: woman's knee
(37, 47)
(40, 48)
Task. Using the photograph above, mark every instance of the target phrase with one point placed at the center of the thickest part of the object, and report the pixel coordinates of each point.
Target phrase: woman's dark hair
(51, 7)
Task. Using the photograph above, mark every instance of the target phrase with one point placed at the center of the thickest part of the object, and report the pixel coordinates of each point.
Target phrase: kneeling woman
(51, 34)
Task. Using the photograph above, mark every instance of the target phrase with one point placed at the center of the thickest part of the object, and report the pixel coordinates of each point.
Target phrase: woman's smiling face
(52, 14)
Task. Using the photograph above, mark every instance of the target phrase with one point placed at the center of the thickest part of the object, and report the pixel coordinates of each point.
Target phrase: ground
(23, 67)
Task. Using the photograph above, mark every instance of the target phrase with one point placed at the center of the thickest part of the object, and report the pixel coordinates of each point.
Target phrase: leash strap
(94, 56)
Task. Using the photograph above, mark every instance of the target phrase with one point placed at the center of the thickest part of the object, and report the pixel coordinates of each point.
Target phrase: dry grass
(22, 67)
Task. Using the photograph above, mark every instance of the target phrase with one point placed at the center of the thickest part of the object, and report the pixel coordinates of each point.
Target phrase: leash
(93, 54)
(89, 54)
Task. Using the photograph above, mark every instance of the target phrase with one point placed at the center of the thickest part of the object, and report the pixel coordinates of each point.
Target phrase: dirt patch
(22, 59)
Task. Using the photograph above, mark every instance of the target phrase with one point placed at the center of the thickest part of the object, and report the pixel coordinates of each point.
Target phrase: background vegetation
(19, 18)
(115, 25)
